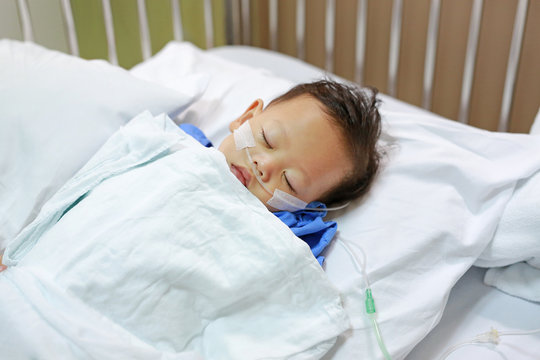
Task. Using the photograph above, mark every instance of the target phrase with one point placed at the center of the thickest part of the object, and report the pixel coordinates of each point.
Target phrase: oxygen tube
(490, 337)
(369, 302)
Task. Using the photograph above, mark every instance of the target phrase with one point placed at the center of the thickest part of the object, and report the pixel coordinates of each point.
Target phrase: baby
(315, 142)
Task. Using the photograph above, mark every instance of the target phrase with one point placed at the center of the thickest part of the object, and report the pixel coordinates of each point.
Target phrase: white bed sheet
(472, 307)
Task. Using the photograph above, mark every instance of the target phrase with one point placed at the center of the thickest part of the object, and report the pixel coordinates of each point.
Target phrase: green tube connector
(370, 304)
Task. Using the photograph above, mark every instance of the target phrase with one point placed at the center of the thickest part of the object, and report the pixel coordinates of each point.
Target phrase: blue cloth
(196, 133)
(307, 225)
(310, 227)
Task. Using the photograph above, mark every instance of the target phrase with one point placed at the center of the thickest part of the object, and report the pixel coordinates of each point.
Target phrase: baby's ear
(255, 108)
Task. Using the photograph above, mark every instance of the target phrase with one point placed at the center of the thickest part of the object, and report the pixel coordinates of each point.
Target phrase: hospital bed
(474, 62)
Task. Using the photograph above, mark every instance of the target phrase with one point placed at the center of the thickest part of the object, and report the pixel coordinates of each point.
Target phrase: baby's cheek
(262, 195)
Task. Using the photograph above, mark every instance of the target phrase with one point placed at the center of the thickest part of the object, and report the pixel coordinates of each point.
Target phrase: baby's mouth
(241, 174)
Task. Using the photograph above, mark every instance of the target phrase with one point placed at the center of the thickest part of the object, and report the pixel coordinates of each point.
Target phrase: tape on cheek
(243, 136)
(286, 202)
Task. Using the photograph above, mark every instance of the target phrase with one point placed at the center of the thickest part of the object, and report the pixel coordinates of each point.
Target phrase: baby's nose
(260, 168)
(265, 167)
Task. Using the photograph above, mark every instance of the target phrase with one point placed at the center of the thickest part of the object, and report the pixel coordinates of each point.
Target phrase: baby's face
(298, 150)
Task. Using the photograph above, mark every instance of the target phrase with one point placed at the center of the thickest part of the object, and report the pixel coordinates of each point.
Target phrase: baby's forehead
(305, 105)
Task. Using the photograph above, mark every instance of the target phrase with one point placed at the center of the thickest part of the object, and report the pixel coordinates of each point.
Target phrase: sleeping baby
(315, 142)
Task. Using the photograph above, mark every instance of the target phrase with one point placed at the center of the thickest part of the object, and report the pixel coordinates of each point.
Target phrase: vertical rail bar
(361, 26)
(177, 20)
(70, 25)
(26, 21)
(470, 59)
(273, 19)
(208, 24)
(513, 62)
(431, 52)
(233, 20)
(146, 47)
(395, 37)
(246, 28)
(229, 23)
(109, 31)
(301, 29)
(330, 34)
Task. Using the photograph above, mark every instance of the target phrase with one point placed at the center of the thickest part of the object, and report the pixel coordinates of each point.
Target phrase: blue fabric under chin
(310, 227)
(307, 225)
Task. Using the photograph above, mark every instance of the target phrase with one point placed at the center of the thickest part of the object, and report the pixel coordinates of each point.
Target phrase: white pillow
(231, 89)
(56, 110)
(433, 208)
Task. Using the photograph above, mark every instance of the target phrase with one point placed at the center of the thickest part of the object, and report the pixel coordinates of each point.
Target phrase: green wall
(88, 16)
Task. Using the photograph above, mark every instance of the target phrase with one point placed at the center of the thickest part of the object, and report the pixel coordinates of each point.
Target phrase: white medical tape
(244, 139)
(287, 202)
(243, 136)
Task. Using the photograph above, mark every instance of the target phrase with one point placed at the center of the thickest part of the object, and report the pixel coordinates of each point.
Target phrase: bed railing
(437, 54)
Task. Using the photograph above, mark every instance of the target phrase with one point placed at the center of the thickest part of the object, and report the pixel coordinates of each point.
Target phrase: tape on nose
(243, 136)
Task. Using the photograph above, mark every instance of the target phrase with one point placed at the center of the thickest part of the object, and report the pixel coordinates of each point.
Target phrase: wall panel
(48, 24)
(315, 32)
(127, 33)
(10, 26)
(449, 63)
(88, 17)
(527, 89)
(492, 59)
(377, 44)
(260, 35)
(345, 38)
(160, 23)
(287, 27)
(412, 51)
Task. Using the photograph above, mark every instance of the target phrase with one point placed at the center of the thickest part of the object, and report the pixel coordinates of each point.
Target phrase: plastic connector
(370, 304)
(488, 337)
(491, 337)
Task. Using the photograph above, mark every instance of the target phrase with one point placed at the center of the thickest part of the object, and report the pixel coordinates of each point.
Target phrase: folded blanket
(514, 253)
(157, 238)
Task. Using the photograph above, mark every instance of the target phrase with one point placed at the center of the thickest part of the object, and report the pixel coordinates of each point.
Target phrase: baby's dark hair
(354, 111)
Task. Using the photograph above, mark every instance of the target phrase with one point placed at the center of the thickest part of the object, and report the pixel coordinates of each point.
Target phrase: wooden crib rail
(474, 61)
